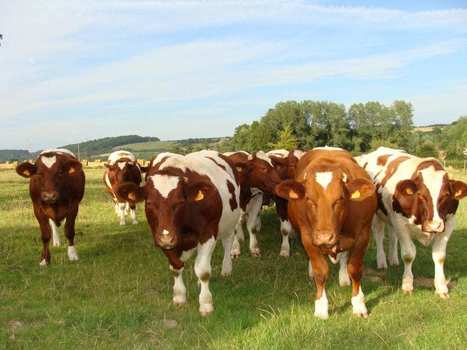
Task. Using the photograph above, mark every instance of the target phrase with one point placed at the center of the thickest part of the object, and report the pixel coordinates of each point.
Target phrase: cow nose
(436, 226)
(325, 239)
(49, 196)
(166, 240)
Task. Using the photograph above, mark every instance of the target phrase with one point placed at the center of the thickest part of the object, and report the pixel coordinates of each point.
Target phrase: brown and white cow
(56, 187)
(417, 200)
(190, 202)
(331, 202)
(283, 160)
(122, 167)
(257, 177)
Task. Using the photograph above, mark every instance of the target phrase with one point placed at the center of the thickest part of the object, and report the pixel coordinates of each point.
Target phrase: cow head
(257, 171)
(322, 201)
(124, 170)
(178, 206)
(429, 198)
(50, 176)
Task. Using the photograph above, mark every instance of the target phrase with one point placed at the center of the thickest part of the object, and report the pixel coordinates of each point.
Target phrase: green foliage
(286, 140)
(7, 155)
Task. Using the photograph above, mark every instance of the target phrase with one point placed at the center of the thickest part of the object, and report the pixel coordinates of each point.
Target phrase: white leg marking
(235, 251)
(358, 304)
(43, 263)
(55, 235)
(439, 255)
(253, 209)
(286, 229)
(179, 289)
(393, 253)
(72, 254)
(344, 279)
(239, 230)
(227, 262)
(310, 269)
(408, 252)
(121, 213)
(321, 307)
(378, 233)
(203, 272)
(133, 216)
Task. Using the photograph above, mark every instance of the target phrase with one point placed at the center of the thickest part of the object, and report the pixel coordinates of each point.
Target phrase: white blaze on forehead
(263, 156)
(115, 156)
(48, 161)
(433, 180)
(121, 165)
(324, 178)
(59, 151)
(165, 184)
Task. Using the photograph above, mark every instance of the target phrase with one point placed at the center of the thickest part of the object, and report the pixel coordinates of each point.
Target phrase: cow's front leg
(133, 213)
(344, 279)
(121, 213)
(179, 289)
(203, 272)
(46, 233)
(70, 232)
(355, 269)
(227, 261)
(253, 210)
(286, 230)
(408, 252)
(320, 271)
(439, 256)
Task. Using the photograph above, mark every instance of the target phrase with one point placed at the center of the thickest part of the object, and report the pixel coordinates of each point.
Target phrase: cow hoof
(235, 253)
(43, 262)
(361, 314)
(55, 244)
(321, 316)
(382, 265)
(255, 252)
(122, 223)
(206, 309)
(284, 253)
(407, 291)
(344, 281)
(179, 300)
(135, 222)
(72, 254)
(443, 295)
(393, 262)
(226, 273)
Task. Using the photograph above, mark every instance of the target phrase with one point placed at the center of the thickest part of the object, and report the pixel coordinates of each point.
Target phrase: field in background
(119, 294)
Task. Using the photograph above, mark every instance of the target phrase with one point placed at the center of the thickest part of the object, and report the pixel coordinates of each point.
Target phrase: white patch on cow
(58, 151)
(439, 256)
(321, 307)
(43, 263)
(358, 304)
(252, 211)
(298, 153)
(133, 216)
(165, 183)
(228, 154)
(324, 178)
(165, 232)
(179, 289)
(203, 271)
(433, 180)
(72, 254)
(280, 153)
(328, 148)
(121, 165)
(48, 161)
(115, 156)
(344, 279)
(263, 156)
(55, 236)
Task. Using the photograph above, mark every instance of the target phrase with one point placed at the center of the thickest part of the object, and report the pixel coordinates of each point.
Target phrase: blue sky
(78, 70)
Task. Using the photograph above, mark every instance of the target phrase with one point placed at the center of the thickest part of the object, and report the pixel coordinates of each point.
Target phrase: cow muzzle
(325, 240)
(49, 197)
(434, 227)
(166, 240)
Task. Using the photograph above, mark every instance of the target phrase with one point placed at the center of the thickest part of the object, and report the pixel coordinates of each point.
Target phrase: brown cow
(257, 177)
(191, 202)
(122, 167)
(332, 202)
(56, 188)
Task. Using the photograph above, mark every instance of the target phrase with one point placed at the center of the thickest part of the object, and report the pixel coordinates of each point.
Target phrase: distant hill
(429, 128)
(14, 154)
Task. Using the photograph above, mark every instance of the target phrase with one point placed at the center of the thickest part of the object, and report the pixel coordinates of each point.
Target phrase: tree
(286, 140)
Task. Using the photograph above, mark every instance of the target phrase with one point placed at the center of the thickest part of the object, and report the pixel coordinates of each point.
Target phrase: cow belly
(228, 222)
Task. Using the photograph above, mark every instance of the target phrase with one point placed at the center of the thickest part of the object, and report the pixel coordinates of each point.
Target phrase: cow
(122, 166)
(282, 161)
(331, 202)
(56, 187)
(257, 177)
(191, 202)
(417, 201)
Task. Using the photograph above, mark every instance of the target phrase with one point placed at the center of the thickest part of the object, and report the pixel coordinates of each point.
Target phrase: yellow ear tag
(409, 191)
(27, 173)
(293, 194)
(199, 196)
(132, 196)
(355, 195)
(71, 171)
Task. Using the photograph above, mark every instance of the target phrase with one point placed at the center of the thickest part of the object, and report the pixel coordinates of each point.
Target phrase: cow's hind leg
(378, 226)
(203, 272)
(253, 210)
(70, 232)
(393, 253)
(227, 261)
(344, 279)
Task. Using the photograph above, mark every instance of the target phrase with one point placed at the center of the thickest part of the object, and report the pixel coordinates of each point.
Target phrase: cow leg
(55, 235)
(393, 253)
(355, 269)
(179, 289)
(253, 210)
(286, 230)
(378, 233)
(227, 262)
(310, 269)
(70, 232)
(239, 230)
(235, 251)
(203, 272)
(133, 213)
(439, 256)
(408, 252)
(344, 279)
(320, 271)
(46, 233)
(127, 208)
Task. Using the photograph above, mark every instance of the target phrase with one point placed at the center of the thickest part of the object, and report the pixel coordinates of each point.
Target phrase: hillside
(14, 154)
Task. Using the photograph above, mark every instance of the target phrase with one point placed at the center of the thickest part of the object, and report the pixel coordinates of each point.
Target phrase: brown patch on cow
(205, 276)
(407, 259)
(392, 168)
(219, 165)
(233, 201)
(428, 163)
(382, 160)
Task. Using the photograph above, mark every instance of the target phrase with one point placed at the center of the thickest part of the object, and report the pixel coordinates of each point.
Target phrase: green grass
(118, 295)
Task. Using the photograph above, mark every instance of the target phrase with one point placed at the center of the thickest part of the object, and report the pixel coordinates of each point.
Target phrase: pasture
(118, 296)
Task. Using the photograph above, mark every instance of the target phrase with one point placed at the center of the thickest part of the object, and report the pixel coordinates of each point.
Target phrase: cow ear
(26, 169)
(278, 161)
(107, 165)
(131, 192)
(72, 167)
(360, 189)
(290, 190)
(404, 193)
(198, 191)
(458, 188)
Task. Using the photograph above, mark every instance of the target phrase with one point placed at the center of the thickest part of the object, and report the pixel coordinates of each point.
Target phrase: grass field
(118, 296)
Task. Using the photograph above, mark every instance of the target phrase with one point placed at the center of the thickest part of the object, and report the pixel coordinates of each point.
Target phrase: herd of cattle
(332, 199)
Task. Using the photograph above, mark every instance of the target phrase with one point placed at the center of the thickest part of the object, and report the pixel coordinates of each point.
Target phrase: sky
(78, 70)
